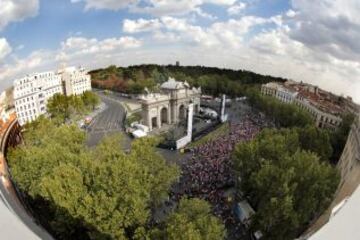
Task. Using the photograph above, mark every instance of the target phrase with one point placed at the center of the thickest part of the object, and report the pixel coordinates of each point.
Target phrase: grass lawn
(220, 131)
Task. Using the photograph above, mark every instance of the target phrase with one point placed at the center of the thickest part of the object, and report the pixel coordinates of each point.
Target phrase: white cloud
(106, 4)
(38, 60)
(203, 14)
(291, 13)
(5, 48)
(17, 10)
(329, 26)
(236, 9)
(156, 7)
(283, 56)
(84, 48)
(73, 51)
(220, 34)
(314, 41)
(140, 25)
(221, 2)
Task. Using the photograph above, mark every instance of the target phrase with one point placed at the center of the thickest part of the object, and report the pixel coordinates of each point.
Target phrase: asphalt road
(107, 122)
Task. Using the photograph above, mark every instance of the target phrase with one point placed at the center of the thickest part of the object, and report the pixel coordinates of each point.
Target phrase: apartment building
(325, 114)
(325, 108)
(32, 92)
(350, 158)
(279, 91)
(76, 81)
(270, 89)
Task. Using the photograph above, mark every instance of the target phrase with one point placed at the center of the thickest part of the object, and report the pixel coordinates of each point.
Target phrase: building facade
(75, 81)
(32, 92)
(270, 89)
(325, 108)
(278, 91)
(349, 164)
(322, 118)
(170, 106)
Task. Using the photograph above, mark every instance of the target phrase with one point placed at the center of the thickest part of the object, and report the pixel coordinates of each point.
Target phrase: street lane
(109, 121)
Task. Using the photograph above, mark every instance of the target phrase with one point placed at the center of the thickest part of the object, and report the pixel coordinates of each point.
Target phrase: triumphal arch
(170, 105)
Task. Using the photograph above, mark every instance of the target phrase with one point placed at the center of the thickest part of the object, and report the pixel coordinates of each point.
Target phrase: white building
(76, 81)
(32, 92)
(170, 106)
(323, 117)
(277, 90)
(286, 95)
(270, 88)
(321, 105)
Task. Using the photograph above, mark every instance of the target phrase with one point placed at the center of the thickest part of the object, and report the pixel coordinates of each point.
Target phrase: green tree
(90, 99)
(278, 177)
(193, 220)
(62, 108)
(102, 193)
(58, 107)
(285, 115)
(339, 137)
(316, 140)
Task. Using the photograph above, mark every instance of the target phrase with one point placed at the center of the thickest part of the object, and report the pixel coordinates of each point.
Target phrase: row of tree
(283, 114)
(62, 108)
(289, 115)
(135, 79)
(284, 177)
(102, 193)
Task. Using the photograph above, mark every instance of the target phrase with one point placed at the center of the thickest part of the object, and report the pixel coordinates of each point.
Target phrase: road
(107, 122)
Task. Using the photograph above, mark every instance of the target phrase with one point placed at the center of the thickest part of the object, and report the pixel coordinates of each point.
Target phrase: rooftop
(323, 100)
(153, 97)
(173, 84)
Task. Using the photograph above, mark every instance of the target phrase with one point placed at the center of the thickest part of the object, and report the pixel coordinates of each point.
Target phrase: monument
(223, 116)
(170, 105)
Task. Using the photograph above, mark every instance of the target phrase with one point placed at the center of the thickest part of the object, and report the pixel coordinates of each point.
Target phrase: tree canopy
(287, 185)
(81, 193)
(62, 107)
(193, 220)
(134, 79)
(285, 115)
(339, 137)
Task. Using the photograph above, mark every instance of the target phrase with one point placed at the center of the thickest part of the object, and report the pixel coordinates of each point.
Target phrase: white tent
(139, 133)
(141, 127)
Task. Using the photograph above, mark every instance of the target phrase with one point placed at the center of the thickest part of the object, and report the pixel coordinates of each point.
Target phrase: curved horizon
(297, 39)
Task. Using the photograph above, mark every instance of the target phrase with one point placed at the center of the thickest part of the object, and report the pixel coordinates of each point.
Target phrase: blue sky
(293, 39)
(59, 19)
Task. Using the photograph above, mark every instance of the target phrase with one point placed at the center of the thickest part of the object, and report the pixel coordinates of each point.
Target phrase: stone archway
(154, 123)
(182, 112)
(164, 115)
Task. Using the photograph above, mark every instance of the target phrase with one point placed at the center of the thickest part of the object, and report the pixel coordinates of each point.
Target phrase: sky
(304, 40)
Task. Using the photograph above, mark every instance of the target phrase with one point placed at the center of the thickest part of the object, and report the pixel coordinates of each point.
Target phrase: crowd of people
(207, 172)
